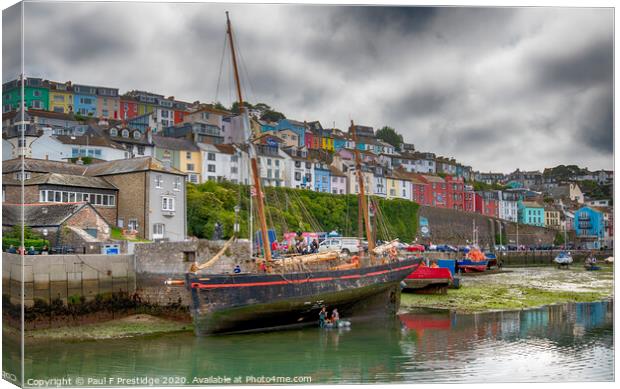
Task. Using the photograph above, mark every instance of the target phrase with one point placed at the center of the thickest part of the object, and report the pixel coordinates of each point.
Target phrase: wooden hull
(251, 302)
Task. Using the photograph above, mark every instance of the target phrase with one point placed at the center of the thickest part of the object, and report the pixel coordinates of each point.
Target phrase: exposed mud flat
(520, 288)
(134, 325)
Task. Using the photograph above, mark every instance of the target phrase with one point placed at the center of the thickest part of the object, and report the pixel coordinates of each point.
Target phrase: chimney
(149, 135)
(47, 157)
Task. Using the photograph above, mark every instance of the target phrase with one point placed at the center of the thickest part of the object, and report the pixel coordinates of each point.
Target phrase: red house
(178, 116)
(469, 200)
(129, 108)
(455, 192)
(486, 204)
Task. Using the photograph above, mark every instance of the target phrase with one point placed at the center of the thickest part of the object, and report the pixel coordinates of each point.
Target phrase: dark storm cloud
(590, 66)
(453, 81)
(11, 41)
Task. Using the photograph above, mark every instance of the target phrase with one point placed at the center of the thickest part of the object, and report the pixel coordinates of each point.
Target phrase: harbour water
(570, 342)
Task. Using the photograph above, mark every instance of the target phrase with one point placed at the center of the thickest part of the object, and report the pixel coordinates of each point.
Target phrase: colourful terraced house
(61, 98)
(589, 227)
(36, 94)
(85, 99)
(531, 213)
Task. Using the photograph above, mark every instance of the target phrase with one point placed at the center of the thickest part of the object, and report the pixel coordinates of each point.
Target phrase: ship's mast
(253, 158)
(362, 194)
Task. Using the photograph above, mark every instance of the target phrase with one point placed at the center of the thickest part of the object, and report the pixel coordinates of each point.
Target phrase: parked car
(342, 244)
(415, 248)
(446, 248)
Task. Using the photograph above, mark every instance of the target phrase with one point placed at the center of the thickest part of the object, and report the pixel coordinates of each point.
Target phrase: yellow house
(393, 187)
(327, 143)
(191, 163)
(60, 97)
(552, 218)
(183, 155)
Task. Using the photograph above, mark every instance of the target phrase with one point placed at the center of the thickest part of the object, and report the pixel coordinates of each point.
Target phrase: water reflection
(566, 342)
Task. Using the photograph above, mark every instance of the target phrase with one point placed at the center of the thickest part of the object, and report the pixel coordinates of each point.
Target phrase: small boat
(563, 258)
(338, 324)
(428, 279)
(492, 258)
(475, 261)
(590, 264)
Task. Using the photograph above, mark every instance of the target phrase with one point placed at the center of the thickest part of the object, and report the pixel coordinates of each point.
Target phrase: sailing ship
(292, 291)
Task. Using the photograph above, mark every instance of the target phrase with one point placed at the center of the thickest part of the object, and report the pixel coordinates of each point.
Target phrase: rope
(219, 77)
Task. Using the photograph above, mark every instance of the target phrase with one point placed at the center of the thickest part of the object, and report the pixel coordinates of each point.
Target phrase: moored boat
(428, 279)
(246, 302)
(292, 291)
(564, 258)
(474, 261)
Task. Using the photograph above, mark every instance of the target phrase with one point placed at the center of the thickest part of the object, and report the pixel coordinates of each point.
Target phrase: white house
(62, 147)
(299, 168)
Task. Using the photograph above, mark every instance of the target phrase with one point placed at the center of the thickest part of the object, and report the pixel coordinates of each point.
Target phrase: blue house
(531, 213)
(298, 127)
(322, 177)
(85, 99)
(265, 127)
(590, 227)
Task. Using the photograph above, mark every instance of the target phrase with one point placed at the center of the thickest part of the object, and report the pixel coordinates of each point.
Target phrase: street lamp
(236, 225)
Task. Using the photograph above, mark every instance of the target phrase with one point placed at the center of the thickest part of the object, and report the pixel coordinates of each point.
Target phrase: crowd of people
(30, 251)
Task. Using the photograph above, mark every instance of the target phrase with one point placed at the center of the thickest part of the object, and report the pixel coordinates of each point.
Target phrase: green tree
(272, 116)
(219, 105)
(389, 135)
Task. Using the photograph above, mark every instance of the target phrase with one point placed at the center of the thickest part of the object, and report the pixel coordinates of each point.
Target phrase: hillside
(290, 210)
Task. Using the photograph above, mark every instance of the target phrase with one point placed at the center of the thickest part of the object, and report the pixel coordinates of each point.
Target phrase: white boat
(563, 258)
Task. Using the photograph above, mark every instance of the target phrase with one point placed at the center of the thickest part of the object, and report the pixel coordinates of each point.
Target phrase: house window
(188, 155)
(113, 132)
(190, 167)
(137, 135)
(132, 225)
(177, 183)
(193, 178)
(211, 156)
(211, 168)
(125, 133)
(159, 230)
(234, 170)
(141, 150)
(158, 181)
(167, 203)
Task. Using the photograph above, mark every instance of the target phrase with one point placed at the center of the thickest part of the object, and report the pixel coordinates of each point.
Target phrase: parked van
(344, 245)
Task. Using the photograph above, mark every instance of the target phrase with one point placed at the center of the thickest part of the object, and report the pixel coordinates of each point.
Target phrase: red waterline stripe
(213, 286)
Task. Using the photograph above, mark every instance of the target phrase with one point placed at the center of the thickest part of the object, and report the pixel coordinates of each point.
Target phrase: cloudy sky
(496, 88)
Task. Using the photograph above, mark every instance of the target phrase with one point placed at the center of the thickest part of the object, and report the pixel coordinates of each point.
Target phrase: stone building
(77, 225)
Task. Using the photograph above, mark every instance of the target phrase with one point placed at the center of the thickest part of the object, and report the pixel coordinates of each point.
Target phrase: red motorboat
(428, 279)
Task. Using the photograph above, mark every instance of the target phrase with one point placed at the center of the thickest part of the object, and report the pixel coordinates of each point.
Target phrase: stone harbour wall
(158, 262)
(454, 227)
(48, 277)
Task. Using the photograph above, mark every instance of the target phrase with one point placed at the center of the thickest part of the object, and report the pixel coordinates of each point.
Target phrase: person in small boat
(237, 269)
(262, 267)
(335, 316)
(322, 317)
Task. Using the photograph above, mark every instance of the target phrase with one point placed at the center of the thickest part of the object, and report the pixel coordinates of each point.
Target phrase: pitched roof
(51, 114)
(166, 142)
(532, 204)
(40, 215)
(121, 166)
(41, 166)
(63, 180)
(87, 140)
